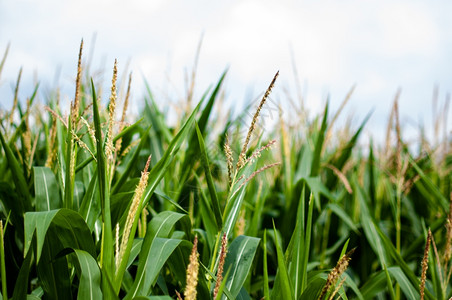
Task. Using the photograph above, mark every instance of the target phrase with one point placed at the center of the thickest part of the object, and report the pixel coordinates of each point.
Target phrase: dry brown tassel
(78, 83)
(425, 264)
(230, 159)
(242, 156)
(52, 146)
(337, 271)
(223, 252)
(179, 297)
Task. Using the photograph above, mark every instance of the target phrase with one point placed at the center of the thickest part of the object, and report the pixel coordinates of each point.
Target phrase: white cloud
(379, 45)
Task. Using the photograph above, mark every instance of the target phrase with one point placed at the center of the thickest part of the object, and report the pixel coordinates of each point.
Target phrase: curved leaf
(314, 287)
(282, 288)
(22, 278)
(159, 252)
(89, 275)
(159, 227)
(16, 171)
(343, 216)
(72, 230)
(239, 260)
(53, 270)
(407, 288)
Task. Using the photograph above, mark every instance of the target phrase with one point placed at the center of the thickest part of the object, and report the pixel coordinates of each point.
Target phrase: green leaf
(243, 295)
(239, 260)
(369, 226)
(152, 298)
(53, 271)
(23, 119)
(317, 187)
(202, 123)
(89, 276)
(232, 211)
(207, 215)
(72, 230)
(168, 198)
(134, 251)
(296, 251)
(283, 289)
(210, 183)
(315, 167)
(420, 240)
(101, 167)
(307, 241)
(158, 171)
(13, 206)
(299, 247)
(432, 188)
(351, 283)
(389, 283)
(90, 207)
(345, 154)
(79, 192)
(127, 130)
(155, 176)
(343, 216)
(408, 273)
(314, 287)
(266, 286)
(153, 262)
(107, 254)
(22, 279)
(374, 285)
(159, 227)
(407, 288)
(71, 158)
(132, 162)
(47, 192)
(18, 176)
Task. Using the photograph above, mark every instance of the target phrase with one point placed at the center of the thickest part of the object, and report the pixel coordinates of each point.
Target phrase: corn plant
(95, 206)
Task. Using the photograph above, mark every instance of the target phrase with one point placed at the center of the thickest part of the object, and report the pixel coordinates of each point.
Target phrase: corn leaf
(89, 275)
(71, 230)
(283, 287)
(18, 176)
(210, 183)
(239, 260)
(47, 192)
(159, 252)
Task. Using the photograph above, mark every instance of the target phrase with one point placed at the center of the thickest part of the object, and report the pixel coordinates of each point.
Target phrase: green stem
(2, 257)
(107, 254)
(68, 185)
(326, 230)
(398, 225)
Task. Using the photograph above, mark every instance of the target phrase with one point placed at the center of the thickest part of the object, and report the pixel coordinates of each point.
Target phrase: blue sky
(378, 45)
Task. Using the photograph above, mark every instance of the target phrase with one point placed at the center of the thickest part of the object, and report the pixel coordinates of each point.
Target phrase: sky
(379, 46)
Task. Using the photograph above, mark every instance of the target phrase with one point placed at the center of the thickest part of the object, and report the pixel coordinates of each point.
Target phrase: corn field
(95, 205)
